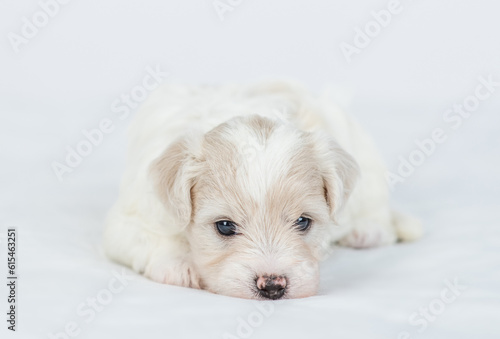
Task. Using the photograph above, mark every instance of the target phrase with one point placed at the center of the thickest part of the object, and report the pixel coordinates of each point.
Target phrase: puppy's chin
(255, 295)
(246, 291)
(236, 274)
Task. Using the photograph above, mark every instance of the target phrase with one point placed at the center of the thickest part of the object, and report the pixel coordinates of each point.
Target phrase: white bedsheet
(364, 293)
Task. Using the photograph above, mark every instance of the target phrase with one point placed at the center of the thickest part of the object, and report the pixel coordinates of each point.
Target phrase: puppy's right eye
(226, 227)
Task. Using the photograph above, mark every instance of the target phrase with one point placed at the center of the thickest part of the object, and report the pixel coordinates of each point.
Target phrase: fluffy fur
(261, 156)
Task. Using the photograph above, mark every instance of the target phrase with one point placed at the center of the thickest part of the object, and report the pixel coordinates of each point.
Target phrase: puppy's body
(260, 156)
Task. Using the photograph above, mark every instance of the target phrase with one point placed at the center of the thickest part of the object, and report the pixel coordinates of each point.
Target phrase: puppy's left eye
(302, 223)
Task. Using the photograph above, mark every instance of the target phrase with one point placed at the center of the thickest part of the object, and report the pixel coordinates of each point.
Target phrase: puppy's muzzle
(271, 287)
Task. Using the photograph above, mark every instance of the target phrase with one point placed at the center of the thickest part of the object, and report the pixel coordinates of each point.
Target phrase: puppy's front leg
(160, 257)
(169, 263)
(173, 272)
(382, 229)
(366, 233)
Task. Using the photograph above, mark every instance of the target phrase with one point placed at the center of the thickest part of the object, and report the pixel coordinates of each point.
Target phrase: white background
(427, 59)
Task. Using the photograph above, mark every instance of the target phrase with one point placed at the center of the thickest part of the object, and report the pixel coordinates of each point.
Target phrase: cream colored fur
(261, 156)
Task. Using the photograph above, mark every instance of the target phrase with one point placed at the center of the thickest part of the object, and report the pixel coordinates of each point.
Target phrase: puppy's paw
(369, 235)
(172, 272)
(408, 228)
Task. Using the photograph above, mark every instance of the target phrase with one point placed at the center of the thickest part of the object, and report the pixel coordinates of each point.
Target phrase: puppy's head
(256, 198)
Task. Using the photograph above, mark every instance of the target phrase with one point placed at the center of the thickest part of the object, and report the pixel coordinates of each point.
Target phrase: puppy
(240, 190)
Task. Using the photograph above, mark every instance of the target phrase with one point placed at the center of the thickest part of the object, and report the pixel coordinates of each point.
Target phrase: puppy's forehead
(252, 160)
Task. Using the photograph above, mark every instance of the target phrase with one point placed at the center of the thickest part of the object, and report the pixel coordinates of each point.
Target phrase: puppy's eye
(226, 227)
(302, 223)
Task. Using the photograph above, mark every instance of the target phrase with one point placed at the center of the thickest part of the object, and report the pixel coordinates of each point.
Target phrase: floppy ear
(173, 175)
(340, 173)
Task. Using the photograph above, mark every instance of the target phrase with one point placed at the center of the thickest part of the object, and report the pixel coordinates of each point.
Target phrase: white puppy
(241, 189)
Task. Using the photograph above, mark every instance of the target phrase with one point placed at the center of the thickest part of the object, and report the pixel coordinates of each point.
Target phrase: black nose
(271, 287)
